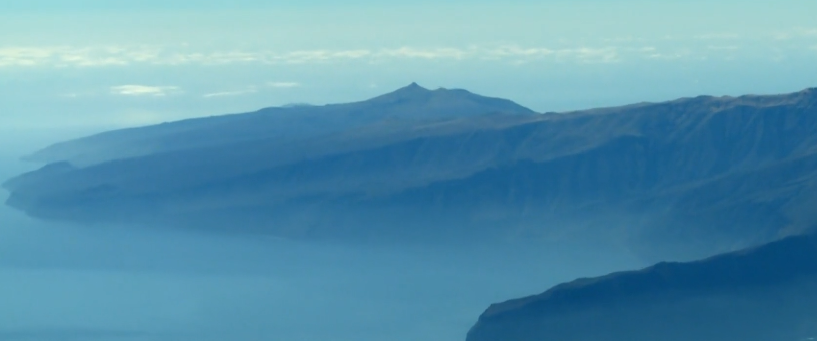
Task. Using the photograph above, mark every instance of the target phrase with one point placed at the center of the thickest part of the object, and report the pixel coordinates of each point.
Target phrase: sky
(89, 65)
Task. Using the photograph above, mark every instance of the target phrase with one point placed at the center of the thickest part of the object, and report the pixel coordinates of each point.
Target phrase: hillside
(760, 294)
(679, 179)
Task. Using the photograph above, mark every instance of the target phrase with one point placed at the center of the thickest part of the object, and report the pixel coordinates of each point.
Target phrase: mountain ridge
(410, 103)
(771, 276)
(679, 179)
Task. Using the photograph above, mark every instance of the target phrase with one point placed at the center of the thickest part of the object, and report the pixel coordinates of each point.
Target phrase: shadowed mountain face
(761, 294)
(679, 179)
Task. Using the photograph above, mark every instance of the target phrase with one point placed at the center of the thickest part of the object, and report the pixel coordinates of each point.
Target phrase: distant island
(676, 180)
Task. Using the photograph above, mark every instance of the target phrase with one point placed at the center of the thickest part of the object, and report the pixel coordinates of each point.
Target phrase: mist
(71, 282)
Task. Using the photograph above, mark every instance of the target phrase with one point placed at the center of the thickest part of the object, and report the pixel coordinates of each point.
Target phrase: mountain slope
(680, 179)
(411, 104)
(765, 293)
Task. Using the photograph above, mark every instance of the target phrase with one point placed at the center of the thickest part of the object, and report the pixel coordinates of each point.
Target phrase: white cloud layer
(230, 93)
(121, 56)
(283, 84)
(143, 90)
(609, 51)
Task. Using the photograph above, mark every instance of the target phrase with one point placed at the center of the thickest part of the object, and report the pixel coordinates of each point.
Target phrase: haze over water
(67, 282)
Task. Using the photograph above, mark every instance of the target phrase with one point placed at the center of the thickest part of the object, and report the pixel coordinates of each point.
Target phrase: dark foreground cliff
(768, 293)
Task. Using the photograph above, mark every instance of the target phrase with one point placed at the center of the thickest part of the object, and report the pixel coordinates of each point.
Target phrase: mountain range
(684, 179)
(679, 179)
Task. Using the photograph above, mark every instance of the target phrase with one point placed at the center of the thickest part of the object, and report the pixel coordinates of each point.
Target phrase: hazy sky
(93, 65)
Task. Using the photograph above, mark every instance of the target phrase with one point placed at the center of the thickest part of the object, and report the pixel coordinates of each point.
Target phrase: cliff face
(689, 177)
(764, 293)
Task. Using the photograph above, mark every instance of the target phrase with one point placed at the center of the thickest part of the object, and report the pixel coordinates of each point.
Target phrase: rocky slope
(761, 294)
(680, 179)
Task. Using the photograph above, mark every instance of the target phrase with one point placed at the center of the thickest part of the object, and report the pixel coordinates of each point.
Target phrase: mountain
(761, 294)
(679, 179)
(409, 105)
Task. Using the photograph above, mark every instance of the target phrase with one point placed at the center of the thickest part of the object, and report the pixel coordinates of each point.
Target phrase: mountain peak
(416, 101)
(411, 89)
(410, 93)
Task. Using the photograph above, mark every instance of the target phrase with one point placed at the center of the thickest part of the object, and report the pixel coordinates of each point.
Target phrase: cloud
(603, 51)
(24, 56)
(723, 48)
(226, 94)
(230, 93)
(283, 84)
(143, 90)
(112, 56)
(314, 56)
(807, 32)
(437, 53)
(802, 33)
(666, 56)
(62, 56)
(718, 36)
(591, 55)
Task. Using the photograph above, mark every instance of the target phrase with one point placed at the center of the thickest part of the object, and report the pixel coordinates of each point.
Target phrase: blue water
(66, 282)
